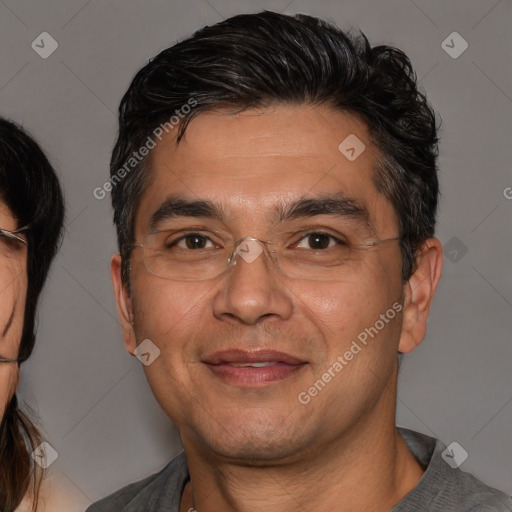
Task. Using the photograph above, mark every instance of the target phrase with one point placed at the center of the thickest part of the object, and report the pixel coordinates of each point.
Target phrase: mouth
(253, 368)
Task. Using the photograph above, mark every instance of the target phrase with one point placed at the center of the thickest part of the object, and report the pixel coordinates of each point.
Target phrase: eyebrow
(176, 206)
(336, 204)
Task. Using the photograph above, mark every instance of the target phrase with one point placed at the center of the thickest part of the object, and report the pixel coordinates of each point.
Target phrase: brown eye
(317, 241)
(193, 242)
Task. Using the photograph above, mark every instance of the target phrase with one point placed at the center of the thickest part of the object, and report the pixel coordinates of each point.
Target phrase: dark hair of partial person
(265, 59)
(30, 189)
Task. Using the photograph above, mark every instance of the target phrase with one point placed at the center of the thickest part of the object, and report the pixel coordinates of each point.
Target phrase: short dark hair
(30, 189)
(263, 59)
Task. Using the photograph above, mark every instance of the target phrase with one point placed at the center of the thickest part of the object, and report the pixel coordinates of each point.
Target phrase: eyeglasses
(13, 235)
(201, 255)
(9, 235)
(7, 360)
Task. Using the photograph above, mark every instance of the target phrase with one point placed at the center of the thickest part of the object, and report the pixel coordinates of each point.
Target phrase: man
(274, 189)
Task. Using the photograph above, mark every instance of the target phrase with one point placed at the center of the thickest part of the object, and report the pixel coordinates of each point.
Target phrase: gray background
(97, 409)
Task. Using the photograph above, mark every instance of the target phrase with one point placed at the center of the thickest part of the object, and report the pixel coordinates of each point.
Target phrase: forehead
(257, 159)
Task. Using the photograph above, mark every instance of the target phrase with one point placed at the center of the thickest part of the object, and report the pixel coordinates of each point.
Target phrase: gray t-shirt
(440, 489)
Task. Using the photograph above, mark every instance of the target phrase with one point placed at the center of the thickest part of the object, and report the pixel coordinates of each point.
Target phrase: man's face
(251, 165)
(13, 289)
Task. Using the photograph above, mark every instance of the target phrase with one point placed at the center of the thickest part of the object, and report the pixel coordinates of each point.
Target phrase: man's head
(285, 130)
(253, 61)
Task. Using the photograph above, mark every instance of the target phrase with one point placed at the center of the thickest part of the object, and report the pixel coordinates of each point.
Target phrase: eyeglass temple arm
(24, 228)
(16, 231)
(378, 241)
(7, 360)
(14, 234)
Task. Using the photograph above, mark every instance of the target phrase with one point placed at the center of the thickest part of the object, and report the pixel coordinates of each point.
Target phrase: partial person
(31, 221)
(275, 190)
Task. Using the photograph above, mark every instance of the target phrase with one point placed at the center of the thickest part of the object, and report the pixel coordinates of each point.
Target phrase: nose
(252, 290)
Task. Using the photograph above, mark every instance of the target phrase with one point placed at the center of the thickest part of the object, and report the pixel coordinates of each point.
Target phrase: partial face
(254, 170)
(13, 290)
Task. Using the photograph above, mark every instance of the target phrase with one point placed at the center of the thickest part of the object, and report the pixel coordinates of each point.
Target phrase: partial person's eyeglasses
(14, 235)
(7, 360)
(197, 255)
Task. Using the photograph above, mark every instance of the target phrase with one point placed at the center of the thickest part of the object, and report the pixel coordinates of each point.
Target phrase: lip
(280, 366)
(251, 356)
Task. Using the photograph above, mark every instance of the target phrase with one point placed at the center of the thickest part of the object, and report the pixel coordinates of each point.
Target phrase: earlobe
(124, 303)
(419, 294)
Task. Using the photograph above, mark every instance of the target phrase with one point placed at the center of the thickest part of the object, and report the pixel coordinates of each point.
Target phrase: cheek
(8, 381)
(170, 315)
(348, 312)
(344, 306)
(13, 286)
(9, 292)
(163, 308)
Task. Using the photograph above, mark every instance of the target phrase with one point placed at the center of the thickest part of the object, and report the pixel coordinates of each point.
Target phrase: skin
(251, 448)
(13, 289)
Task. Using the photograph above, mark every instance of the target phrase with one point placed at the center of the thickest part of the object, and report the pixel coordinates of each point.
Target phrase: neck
(369, 469)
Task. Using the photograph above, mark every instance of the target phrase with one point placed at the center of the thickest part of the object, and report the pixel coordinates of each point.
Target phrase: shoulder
(446, 488)
(466, 493)
(160, 491)
(473, 495)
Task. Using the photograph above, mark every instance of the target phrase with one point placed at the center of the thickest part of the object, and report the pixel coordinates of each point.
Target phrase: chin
(253, 453)
(255, 443)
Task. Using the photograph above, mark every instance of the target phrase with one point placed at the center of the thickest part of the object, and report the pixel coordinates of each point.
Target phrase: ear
(419, 293)
(124, 304)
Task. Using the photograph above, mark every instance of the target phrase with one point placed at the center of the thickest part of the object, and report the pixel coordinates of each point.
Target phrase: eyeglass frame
(7, 360)
(232, 261)
(12, 235)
